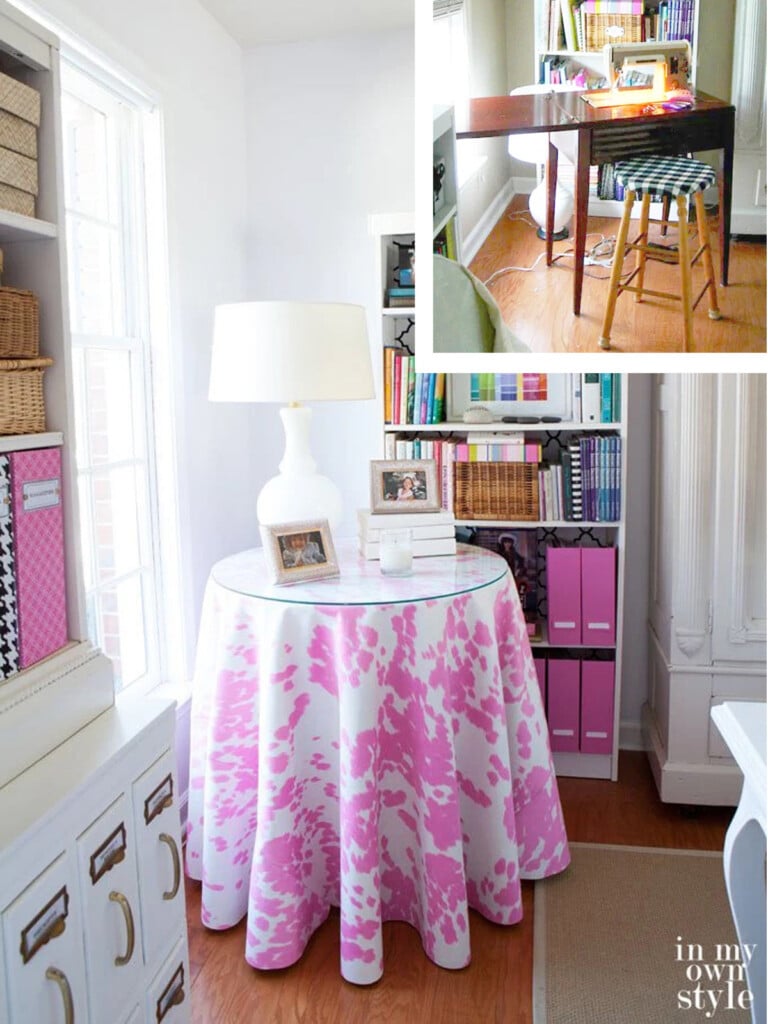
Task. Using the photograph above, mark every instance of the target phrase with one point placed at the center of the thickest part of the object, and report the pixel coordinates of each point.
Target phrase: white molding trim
(714, 785)
(470, 246)
(748, 84)
(693, 533)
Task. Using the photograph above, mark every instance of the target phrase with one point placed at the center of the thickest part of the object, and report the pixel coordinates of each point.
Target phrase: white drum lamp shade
(292, 352)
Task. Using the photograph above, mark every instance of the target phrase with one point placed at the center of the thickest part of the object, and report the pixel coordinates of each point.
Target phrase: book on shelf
(411, 398)
(518, 548)
(398, 296)
(422, 547)
(475, 451)
(613, 6)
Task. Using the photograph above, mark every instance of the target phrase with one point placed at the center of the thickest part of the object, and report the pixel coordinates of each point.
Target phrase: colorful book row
(585, 486)
(411, 397)
(508, 387)
(33, 610)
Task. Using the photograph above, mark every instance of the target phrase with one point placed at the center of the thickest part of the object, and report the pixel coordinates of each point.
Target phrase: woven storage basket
(19, 324)
(22, 410)
(20, 99)
(600, 29)
(496, 490)
(18, 134)
(16, 200)
(18, 171)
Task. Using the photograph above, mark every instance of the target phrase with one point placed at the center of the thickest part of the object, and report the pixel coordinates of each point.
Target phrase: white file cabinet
(91, 894)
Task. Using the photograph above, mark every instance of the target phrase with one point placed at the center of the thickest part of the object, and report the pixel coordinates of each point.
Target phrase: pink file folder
(564, 595)
(541, 672)
(563, 704)
(597, 678)
(39, 553)
(598, 596)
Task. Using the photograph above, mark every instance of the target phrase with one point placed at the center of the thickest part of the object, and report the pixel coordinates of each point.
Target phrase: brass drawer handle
(117, 897)
(54, 974)
(170, 842)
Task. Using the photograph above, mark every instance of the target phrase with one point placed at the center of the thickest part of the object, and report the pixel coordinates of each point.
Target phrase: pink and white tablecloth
(370, 743)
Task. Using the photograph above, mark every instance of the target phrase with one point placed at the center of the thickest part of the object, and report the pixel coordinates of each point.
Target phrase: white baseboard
(470, 245)
(631, 736)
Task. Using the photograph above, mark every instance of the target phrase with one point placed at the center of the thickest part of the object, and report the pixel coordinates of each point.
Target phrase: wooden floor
(494, 989)
(538, 305)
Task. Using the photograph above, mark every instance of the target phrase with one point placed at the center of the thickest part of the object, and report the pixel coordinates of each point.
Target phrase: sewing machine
(643, 73)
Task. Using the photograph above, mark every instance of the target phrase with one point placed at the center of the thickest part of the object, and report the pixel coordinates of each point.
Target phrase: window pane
(116, 500)
(119, 611)
(85, 157)
(109, 424)
(95, 281)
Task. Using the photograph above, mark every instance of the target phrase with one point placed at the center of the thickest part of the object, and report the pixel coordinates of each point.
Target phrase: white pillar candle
(395, 552)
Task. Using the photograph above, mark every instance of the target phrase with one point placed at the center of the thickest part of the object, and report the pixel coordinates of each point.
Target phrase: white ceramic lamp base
(537, 204)
(299, 492)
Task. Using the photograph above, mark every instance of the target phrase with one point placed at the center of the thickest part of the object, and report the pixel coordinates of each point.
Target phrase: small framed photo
(299, 551)
(404, 486)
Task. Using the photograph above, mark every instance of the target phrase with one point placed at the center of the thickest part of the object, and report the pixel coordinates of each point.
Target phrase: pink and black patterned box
(38, 530)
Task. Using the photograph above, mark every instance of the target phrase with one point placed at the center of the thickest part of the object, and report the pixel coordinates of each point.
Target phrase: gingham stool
(679, 177)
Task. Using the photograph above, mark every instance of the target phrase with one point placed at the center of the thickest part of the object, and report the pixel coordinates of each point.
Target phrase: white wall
(330, 136)
(178, 51)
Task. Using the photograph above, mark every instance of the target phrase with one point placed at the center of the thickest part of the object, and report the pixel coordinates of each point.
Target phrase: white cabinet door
(158, 837)
(134, 1017)
(42, 931)
(106, 854)
(3, 993)
(168, 997)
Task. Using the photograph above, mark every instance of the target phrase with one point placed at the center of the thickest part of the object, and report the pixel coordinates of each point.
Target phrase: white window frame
(148, 339)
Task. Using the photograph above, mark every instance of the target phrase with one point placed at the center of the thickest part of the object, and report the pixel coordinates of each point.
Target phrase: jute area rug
(629, 935)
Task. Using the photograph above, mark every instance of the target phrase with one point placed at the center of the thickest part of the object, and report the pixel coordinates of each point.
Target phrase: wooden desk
(606, 135)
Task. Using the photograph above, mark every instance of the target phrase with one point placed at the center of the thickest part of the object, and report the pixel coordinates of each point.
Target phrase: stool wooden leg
(665, 204)
(618, 263)
(703, 225)
(645, 211)
(685, 270)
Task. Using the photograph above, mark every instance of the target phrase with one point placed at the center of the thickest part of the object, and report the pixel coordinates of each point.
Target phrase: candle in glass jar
(395, 552)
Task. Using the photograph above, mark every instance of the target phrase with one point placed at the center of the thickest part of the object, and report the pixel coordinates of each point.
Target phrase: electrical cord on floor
(600, 254)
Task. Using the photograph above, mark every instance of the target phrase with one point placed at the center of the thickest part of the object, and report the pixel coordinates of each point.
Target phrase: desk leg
(744, 867)
(551, 197)
(725, 184)
(582, 207)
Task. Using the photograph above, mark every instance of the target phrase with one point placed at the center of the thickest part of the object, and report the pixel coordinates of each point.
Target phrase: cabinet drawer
(168, 997)
(42, 932)
(106, 854)
(158, 839)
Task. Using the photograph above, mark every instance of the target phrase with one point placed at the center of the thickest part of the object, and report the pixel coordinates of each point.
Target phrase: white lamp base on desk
(299, 492)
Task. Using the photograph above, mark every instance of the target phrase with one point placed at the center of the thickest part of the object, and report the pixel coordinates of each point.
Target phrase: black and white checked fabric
(665, 175)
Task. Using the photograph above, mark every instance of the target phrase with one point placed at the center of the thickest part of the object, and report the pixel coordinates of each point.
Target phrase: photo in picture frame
(299, 551)
(404, 486)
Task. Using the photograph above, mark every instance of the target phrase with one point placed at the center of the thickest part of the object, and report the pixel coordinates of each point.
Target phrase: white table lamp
(292, 352)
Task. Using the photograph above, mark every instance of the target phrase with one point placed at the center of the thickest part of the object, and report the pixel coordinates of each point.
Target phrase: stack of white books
(433, 533)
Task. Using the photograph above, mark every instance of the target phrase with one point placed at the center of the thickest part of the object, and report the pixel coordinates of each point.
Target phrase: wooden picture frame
(299, 551)
(402, 485)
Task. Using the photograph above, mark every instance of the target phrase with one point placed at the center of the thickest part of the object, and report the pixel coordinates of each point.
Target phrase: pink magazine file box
(563, 704)
(39, 550)
(541, 673)
(598, 596)
(564, 595)
(597, 707)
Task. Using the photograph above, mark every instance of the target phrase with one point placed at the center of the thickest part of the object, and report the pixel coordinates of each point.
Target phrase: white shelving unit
(582, 765)
(445, 210)
(78, 770)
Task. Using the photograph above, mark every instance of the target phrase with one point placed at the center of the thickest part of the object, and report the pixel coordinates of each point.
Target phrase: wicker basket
(600, 29)
(19, 324)
(496, 490)
(22, 410)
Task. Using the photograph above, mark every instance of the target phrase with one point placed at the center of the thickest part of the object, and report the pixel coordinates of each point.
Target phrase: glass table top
(361, 581)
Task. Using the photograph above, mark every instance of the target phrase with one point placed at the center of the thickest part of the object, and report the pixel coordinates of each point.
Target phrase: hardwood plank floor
(538, 305)
(494, 989)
